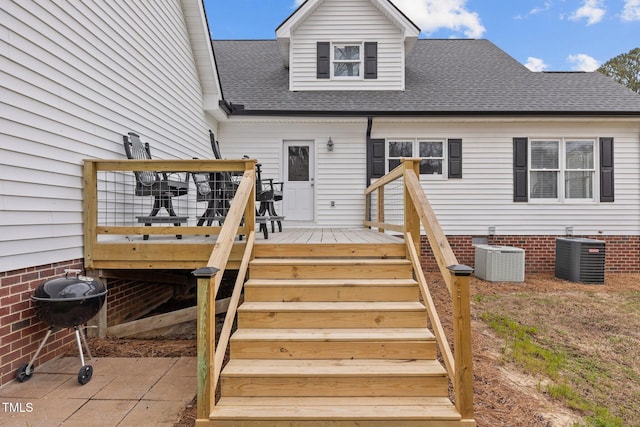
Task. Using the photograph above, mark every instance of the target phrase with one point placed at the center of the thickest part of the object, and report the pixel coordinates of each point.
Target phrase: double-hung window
(562, 169)
(347, 60)
(430, 151)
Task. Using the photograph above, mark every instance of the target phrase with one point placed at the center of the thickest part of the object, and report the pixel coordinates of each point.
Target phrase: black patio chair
(267, 192)
(162, 186)
(217, 190)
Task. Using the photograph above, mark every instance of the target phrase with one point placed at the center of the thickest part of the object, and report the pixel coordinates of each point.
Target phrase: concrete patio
(122, 392)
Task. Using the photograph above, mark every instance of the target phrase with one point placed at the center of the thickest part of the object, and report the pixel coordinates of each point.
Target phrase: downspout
(369, 149)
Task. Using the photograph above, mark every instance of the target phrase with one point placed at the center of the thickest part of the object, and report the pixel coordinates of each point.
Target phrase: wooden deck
(328, 235)
(351, 299)
(166, 252)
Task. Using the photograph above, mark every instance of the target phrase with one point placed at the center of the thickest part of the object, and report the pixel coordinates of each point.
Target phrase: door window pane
(298, 163)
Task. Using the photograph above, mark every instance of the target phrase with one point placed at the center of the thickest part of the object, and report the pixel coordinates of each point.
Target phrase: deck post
(250, 208)
(206, 333)
(90, 207)
(462, 351)
(411, 217)
(380, 208)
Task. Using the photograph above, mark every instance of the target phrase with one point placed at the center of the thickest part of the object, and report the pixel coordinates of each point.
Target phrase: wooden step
(386, 343)
(332, 315)
(331, 250)
(327, 378)
(268, 268)
(331, 290)
(357, 411)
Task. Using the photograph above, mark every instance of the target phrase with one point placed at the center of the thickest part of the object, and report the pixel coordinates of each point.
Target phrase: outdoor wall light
(329, 145)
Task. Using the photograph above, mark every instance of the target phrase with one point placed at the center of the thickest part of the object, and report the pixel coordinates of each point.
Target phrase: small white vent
(499, 263)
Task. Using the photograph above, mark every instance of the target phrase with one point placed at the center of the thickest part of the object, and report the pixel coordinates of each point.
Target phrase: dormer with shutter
(346, 45)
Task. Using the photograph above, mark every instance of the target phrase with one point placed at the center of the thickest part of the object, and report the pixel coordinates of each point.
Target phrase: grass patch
(584, 346)
(522, 348)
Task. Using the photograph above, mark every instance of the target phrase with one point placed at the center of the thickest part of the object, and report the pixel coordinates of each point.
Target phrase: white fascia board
(198, 29)
(283, 32)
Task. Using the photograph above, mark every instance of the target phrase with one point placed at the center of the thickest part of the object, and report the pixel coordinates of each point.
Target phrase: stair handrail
(434, 318)
(456, 277)
(225, 334)
(417, 211)
(209, 280)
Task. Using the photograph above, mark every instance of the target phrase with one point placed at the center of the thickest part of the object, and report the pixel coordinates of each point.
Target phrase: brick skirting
(21, 332)
(622, 252)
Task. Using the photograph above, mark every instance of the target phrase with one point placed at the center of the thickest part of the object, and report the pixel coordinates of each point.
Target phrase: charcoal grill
(67, 302)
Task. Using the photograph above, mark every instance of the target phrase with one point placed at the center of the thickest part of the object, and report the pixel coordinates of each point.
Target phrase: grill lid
(72, 287)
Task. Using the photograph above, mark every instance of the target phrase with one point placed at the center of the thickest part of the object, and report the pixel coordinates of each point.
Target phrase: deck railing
(404, 183)
(114, 217)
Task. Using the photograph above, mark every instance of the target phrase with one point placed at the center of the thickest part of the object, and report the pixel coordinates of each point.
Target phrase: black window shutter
(455, 158)
(606, 170)
(370, 60)
(520, 172)
(324, 60)
(376, 158)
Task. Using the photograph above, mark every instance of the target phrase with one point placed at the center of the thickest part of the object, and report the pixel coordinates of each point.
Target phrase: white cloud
(631, 11)
(592, 10)
(536, 10)
(535, 64)
(583, 62)
(433, 15)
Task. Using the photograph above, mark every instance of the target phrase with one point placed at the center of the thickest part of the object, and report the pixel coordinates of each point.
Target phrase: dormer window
(347, 60)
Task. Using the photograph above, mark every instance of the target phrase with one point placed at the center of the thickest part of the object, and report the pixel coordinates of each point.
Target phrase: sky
(544, 35)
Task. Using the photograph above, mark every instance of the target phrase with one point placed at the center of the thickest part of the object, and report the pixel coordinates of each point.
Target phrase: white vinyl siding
(483, 198)
(345, 22)
(339, 174)
(75, 77)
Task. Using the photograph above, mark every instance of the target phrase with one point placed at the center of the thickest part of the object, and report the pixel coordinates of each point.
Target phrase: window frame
(562, 170)
(359, 61)
(415, 149)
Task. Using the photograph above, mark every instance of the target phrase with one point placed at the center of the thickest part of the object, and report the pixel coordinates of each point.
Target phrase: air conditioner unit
(499, 263)
(580, 260)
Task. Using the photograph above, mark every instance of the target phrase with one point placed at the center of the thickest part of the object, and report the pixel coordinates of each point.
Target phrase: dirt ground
(503, 395)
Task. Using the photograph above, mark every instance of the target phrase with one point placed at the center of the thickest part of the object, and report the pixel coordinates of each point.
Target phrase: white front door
(298, 189)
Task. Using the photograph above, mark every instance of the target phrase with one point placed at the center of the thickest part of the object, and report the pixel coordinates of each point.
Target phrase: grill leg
(29, 367)
(84, 341)
(77, 330)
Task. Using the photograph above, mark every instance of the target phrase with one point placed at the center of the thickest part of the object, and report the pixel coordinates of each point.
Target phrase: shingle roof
(442, 77)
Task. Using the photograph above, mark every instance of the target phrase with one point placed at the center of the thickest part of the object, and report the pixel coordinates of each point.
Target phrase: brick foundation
(622, 252)
(21, 332)
(129, 300)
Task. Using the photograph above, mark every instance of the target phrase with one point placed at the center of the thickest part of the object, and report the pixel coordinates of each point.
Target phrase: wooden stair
(337, 341)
